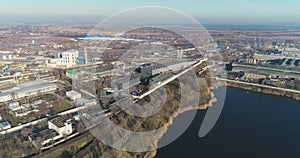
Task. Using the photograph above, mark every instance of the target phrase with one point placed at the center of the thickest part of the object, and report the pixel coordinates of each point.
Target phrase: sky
(239, 11)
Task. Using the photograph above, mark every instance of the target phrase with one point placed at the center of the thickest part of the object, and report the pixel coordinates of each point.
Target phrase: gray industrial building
(27, 89)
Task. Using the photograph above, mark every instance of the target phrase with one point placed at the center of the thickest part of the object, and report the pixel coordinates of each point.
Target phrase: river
(251, 125)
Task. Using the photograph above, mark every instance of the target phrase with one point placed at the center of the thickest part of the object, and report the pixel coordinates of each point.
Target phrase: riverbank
(204, 106)
(259, 88)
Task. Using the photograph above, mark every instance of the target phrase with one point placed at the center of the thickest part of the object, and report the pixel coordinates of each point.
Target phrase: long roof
(23, 87)
(44, 134)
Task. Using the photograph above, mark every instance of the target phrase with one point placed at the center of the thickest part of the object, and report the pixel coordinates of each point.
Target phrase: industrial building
(43, 137)
(57, 128)
(27, 89)
(72, 74)
(61, 126)
(7, 55)
(73, 95)
(291, 52)
(163, 66)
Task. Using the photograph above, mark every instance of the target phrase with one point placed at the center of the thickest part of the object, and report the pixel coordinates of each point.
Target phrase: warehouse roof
(23, 87)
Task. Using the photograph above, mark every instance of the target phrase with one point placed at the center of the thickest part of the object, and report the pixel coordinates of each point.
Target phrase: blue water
(251, 125)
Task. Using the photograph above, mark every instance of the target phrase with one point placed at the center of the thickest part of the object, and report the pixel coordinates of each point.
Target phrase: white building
(57, 128)
(14, 106)
(86, 102)
(27, 89)
(72, 74)
(73, 95)
(68, 59)
(61, 126)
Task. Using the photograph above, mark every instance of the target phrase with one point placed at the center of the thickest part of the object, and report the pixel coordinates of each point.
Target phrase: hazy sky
(209, 10)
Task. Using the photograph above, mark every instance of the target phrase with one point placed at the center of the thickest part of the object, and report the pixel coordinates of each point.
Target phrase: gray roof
(58, 121)
(44, 134)
(5, 124)
(23, 87)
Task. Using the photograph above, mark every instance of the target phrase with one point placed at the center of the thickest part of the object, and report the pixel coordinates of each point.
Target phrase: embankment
(261, 89)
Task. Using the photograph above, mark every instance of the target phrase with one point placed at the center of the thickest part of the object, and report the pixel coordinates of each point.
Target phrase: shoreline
(259, 89)
(204, 106)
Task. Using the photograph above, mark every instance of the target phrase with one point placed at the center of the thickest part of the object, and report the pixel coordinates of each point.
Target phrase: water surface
(251, 125)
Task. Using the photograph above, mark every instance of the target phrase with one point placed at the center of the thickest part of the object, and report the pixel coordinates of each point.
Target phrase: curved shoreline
(204, 106)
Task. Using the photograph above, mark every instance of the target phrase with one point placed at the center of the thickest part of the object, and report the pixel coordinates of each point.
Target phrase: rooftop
(44, 134)
(73, 93)
(27, 86)
(58, 121)
(5, 124)
(71, 72)
(70, 51)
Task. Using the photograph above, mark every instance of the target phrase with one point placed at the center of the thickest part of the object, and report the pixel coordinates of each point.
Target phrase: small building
(61, 126)
(90, 102)
(73, 95)
(72, 74)
(5, 125)
(76, 117)
(14, 106)
(81, 60)
(86, 102)
(271, 82)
